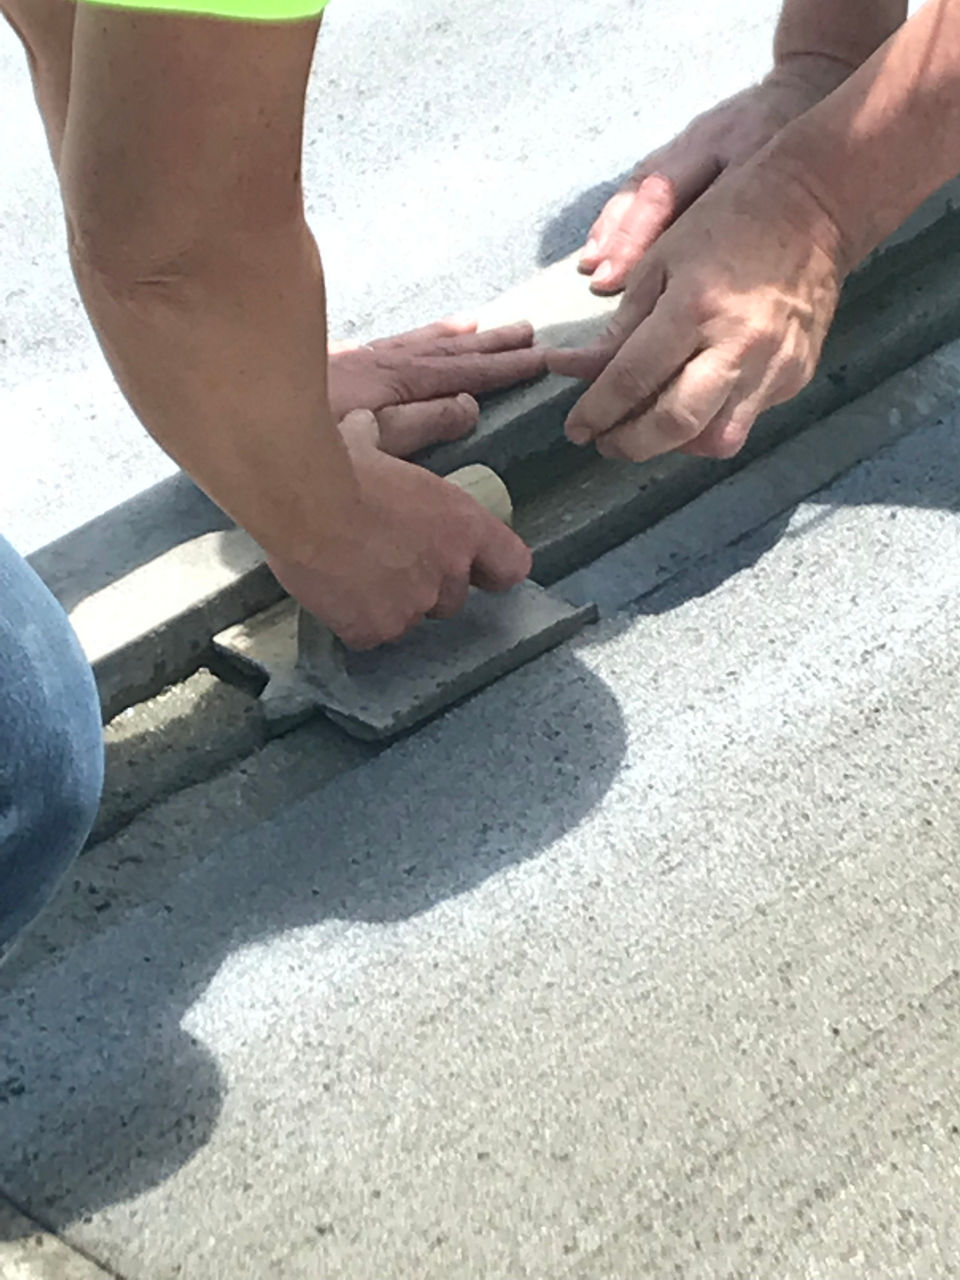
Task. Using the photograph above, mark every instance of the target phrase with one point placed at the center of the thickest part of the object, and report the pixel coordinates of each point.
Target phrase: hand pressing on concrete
(422, 384)
(725, 316)
(408, 549)
(670, 180)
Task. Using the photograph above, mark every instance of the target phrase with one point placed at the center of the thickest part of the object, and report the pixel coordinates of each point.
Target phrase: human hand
(671, 179)
(421, 384)
(725, 316)
(409, 549)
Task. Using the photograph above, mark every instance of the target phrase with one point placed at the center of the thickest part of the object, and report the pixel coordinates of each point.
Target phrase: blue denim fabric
(51, 745)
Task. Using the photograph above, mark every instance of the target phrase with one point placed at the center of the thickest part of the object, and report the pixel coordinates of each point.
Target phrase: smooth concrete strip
(151, 627)
(27, 1252)
(648, 936)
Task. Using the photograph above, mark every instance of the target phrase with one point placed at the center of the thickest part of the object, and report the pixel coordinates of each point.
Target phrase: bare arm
(180, 172)
(727, 314)
(888, 138)
(847, 32)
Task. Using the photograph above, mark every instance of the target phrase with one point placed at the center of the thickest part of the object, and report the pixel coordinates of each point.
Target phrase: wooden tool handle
(321, 656)
(487, 488)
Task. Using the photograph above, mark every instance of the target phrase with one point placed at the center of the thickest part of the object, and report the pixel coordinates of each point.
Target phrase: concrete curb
(150, 623)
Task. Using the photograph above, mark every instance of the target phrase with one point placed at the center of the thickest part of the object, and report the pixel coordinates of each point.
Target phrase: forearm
(226, 367)
(845, 31)
(887, 138)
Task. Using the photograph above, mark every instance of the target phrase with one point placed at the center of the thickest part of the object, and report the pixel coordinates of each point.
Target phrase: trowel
(304, 669)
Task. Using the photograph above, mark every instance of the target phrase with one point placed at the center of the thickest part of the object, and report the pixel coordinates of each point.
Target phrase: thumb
(361, 430)
(502, 559)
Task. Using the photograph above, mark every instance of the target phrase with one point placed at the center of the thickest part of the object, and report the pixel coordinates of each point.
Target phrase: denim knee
(51, 746)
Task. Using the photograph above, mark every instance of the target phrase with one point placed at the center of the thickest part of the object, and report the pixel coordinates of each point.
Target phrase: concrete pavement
(643, 962)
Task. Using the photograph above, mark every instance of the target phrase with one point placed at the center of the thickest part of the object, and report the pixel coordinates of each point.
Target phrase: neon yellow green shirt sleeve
(249, 10)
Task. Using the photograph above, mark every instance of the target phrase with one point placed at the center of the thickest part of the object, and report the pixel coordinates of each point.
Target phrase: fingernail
(591, 249)
(657, 185)
(578, 435)
(603, 273)
(468, 402)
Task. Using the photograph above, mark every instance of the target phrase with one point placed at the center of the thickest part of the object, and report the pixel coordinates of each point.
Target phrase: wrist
(819, 72)
(799, 202)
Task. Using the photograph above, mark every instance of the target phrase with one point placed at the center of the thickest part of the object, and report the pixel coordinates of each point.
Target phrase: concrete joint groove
(152, 623)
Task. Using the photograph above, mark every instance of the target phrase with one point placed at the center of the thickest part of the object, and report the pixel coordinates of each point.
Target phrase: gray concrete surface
(643, 962)
(421, 117)
(27, 1252)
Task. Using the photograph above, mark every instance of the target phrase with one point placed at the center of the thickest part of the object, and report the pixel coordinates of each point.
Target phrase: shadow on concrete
(103, 1093)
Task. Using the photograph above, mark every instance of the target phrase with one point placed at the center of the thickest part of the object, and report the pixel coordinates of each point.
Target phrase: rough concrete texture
(27, 1252)
(192, 733)
(643, 962)
(768, 487)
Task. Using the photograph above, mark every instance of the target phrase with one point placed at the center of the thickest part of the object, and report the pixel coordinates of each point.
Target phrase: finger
(640, 300)
(431, 377)
(646, 363)
(503, 559)
(446, 328)
(405, 429)
(592, 253)
(361, 429)
(452, 598)
(658, 201)
(508, 337)
(681, 413)
(586, 363)
(726, 435)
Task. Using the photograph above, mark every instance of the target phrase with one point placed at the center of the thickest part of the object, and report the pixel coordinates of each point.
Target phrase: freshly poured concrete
(641, 963)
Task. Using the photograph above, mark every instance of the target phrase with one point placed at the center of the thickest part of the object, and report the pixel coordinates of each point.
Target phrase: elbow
(126, 258)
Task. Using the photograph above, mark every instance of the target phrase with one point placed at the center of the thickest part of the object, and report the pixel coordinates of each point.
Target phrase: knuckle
(793, 374)
(677, 424)
(731, 441)
(703, 306)
(758, 340)
(627, 382)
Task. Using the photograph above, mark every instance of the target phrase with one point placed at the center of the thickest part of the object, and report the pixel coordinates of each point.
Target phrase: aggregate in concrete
(642, 962)
(27, 1252)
